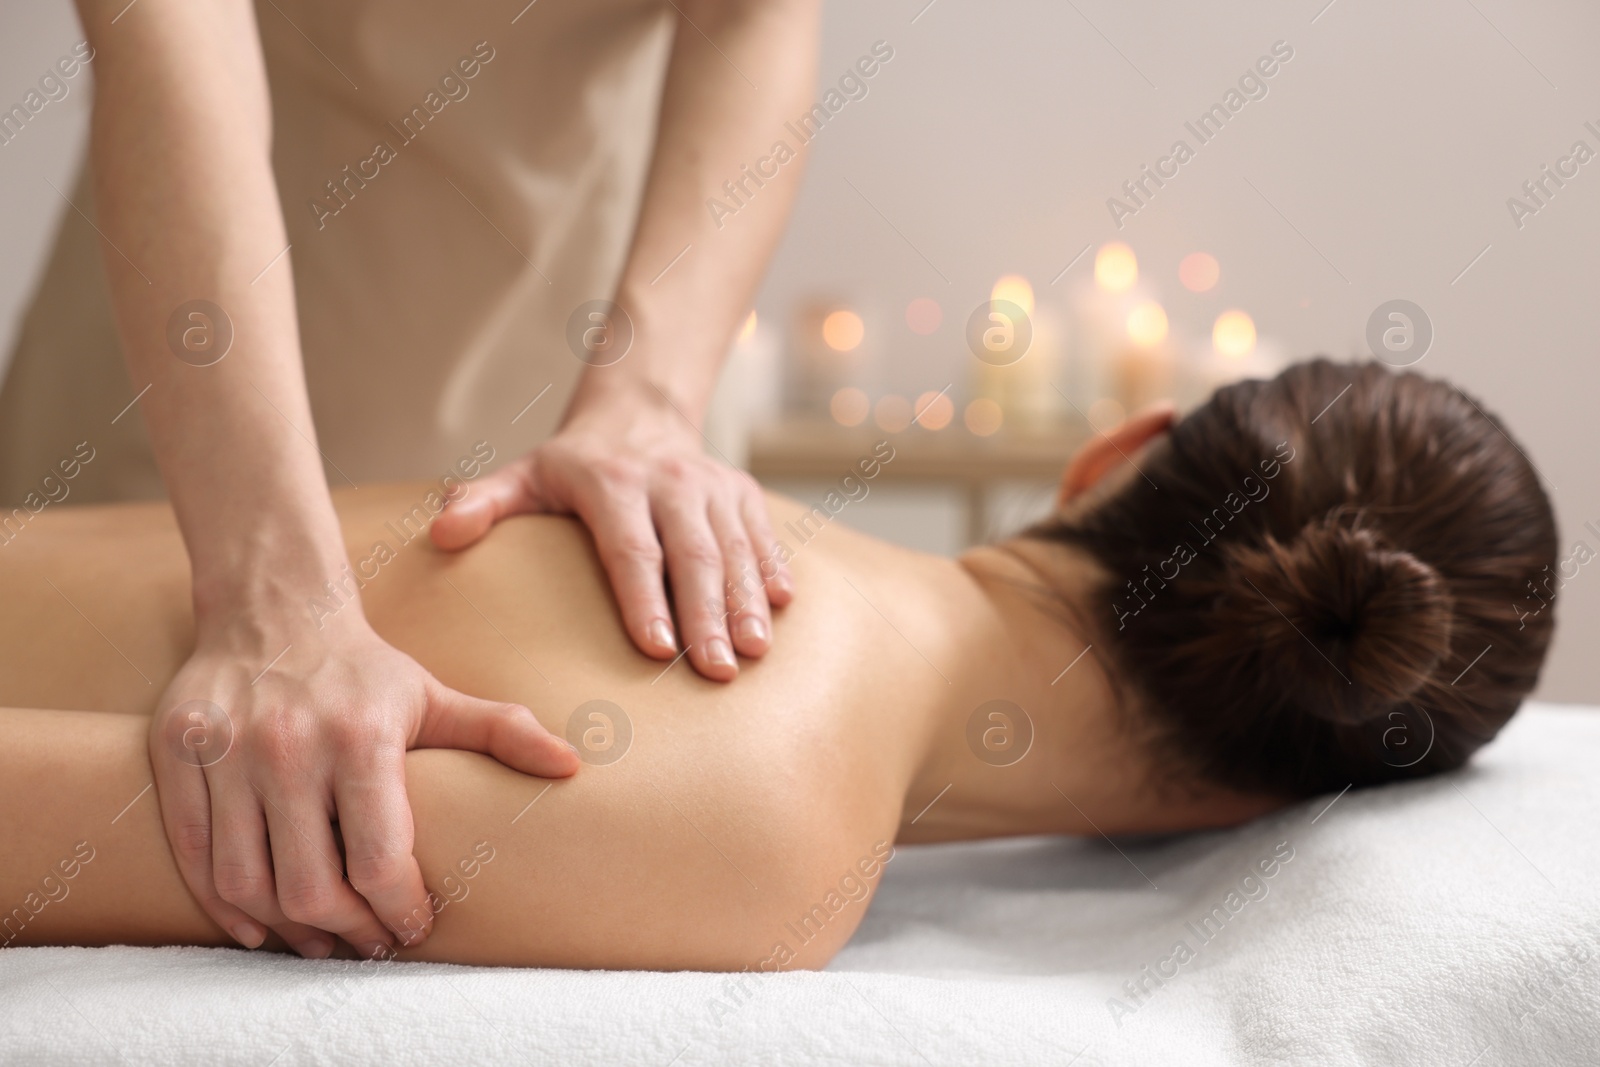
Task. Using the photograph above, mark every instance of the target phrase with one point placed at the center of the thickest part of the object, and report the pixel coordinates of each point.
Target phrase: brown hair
(1298, 584)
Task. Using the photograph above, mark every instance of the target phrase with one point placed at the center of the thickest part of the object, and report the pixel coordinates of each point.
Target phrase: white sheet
(1428, 923)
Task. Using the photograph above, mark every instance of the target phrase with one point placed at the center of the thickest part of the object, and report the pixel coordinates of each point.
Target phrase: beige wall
(1391, 142)
(1377, 167)
(32, 37)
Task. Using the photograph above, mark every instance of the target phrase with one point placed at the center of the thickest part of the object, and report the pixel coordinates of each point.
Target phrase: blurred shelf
(804, 449)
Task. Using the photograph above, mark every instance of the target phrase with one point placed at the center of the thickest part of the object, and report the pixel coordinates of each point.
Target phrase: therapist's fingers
(375, 819)
(695, 565)
(774, 571)
(242, 867)
(185, 804)
(629, 549)
(749, 621)
(508, 491)
(310, 878)
(510, 733)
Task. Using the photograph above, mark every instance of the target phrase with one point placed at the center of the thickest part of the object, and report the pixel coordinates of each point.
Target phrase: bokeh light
(748, 330)
(983, 416)
(1106, 414)
(1199, 271)
(1234, 334)
(1116, 268)
(1015, 288)
(1147, 324)
(892, 413)
(849, 406)
(933, 411)
(842, 330)
(923, 315)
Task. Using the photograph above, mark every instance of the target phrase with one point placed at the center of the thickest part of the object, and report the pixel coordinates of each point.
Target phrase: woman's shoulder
(646, 863)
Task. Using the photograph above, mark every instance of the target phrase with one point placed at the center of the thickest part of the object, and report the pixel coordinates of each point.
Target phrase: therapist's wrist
(671, 364)
(634, 402)
(259, 630)
(257, 636)
(281, 589)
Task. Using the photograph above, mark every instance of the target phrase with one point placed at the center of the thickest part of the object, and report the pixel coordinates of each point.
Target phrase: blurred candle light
(983, 416)
(1141, 373)
(1116, 268)
(923, 315)
(892, 413)
(849, 406)
(843, 330)
(934, 411)
(828, 348)
(748, 330)
(1199, 271)
(1147, 324)
(1023, 387)
(1234, 334)
(1015, 288)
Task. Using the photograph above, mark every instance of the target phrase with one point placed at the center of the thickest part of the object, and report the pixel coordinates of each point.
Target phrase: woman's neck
(1033, 738)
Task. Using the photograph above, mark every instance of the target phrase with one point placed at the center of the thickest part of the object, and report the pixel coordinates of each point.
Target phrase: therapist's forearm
(181, 149)
(713, 123)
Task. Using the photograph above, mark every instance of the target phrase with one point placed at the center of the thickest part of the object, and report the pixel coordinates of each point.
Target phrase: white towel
(1428, 923)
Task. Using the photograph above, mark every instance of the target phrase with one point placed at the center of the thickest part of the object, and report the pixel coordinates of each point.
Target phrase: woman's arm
(83, 858)
(616, 868)
(204, 299)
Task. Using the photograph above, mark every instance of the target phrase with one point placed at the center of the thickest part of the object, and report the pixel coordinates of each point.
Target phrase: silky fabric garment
(433, 304)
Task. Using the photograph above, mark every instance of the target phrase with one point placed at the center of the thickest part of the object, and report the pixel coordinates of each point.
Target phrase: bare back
(731, 811)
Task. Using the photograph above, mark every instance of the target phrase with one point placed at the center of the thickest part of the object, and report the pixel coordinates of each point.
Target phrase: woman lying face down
(1306, 583)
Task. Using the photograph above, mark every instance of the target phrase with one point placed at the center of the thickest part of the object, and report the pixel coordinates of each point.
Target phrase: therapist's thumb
(508, 732)
(508, 491)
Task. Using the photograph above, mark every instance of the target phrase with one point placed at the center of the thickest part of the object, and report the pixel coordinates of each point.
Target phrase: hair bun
(1378, 615)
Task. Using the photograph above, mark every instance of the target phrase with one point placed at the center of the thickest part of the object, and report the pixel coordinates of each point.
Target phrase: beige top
(430, 315)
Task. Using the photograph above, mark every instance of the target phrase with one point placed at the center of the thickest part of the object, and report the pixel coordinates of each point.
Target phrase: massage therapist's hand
(635, 471)
(628, 459)
(249, 797)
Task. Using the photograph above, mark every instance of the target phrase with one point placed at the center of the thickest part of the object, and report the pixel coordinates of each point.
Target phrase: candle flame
(1015, 288)
(1234, 334)
(1147, 324)
(849, 406)
(843, 330)
(1116, 268)
(983, 416)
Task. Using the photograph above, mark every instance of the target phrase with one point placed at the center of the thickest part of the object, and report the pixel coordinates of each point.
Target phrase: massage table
(1453, 921)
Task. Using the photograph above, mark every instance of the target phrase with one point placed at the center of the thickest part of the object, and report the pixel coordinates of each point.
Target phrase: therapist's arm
(316, 715)
(629, 458)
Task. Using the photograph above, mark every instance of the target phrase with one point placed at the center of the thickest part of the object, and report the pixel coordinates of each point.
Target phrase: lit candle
(747, 391)
(830, 347)
(1100, 315)
(1235, 353)
(1142, 369)
(1024, 387)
